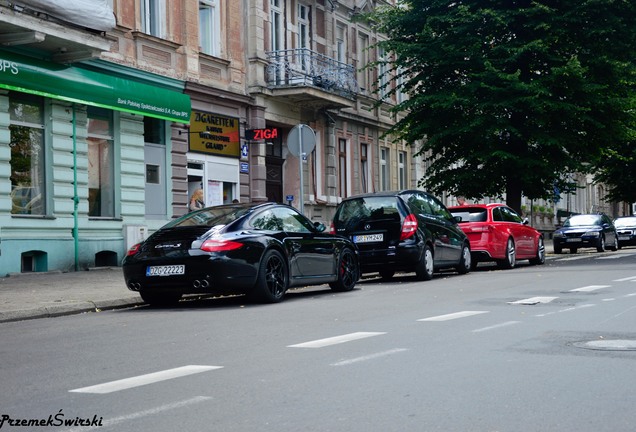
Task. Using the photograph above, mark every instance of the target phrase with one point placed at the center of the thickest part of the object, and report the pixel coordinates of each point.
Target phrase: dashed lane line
(142, 380)
(453, 316)
(320, 343)
(590, 288)
(533, 300)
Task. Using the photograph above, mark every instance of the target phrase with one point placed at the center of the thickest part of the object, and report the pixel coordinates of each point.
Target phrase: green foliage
(509, 96)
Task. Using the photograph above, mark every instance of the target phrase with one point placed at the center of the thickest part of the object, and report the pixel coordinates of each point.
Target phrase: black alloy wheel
(273, 278)
(348, 272)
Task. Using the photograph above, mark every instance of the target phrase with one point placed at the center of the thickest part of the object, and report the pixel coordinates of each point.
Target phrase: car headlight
(592, 234)
(558, 235)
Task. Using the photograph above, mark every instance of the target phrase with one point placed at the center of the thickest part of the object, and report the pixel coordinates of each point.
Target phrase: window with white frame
(303, 41)
(342, 168)
(101, 163)
(153, 17)
(384, 168)
(364, 167)
(363, 60)
(276, 23)
(382, 74)
(210, 27)
(341, 44)
(402, 170)
(28, 185)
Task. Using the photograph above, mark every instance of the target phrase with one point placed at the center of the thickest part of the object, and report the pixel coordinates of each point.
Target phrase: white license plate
(623, 237)
(368, 238)
(167, 270)
(573, 240)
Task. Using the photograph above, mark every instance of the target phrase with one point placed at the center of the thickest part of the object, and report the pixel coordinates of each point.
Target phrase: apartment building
(113, 112)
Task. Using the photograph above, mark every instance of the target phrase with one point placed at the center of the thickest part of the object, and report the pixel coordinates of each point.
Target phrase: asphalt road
(537, 348)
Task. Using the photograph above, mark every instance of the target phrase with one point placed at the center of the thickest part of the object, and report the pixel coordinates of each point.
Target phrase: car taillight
(332, 229)
(133, 249)
(213, 245)
(408, 227)
(477, 229)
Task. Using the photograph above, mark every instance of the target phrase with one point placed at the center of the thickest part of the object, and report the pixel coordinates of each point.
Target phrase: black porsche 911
(260, 250)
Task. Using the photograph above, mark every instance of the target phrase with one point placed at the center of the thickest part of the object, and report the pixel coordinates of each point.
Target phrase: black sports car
(260, 250)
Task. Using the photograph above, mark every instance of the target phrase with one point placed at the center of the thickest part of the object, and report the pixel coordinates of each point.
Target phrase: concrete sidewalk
(41, 295)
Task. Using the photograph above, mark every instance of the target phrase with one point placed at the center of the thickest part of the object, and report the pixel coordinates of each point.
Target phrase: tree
(510, 96)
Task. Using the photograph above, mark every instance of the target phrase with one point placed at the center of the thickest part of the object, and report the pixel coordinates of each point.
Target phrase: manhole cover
(608, 345)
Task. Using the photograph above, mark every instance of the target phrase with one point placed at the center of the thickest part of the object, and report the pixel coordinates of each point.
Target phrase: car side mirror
(457, 219)
(320, 227)
(525, 221)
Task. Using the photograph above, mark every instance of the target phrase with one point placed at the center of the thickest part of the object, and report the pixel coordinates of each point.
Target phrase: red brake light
(213, 245)
(408, 227)
(133, 249)
(332, 228)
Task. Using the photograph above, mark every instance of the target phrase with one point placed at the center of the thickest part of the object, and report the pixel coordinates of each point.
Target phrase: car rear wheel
(558, 250)
(348, 272)
(424, 269)
(573, 250)
(273, 279)
(511, 256)
(465, 263)
(155, 298)
(540, 258)
(601, 245)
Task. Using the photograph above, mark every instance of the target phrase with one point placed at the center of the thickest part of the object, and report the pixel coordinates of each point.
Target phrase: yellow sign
(214, 134)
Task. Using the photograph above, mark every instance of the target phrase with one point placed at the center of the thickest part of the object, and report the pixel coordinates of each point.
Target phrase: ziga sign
(214, 134)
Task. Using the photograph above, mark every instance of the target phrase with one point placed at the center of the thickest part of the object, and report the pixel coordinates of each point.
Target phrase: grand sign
(214, 134)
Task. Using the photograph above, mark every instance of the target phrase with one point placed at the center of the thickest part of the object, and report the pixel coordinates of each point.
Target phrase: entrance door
(274, 182)
(155, 161)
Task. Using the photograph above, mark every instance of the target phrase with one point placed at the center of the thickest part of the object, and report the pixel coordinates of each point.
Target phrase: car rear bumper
(400, 258)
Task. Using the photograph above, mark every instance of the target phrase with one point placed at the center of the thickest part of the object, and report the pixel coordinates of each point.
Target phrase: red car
(497, 233)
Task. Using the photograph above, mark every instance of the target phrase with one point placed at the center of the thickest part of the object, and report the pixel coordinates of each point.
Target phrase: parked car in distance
(626, 230)
(260, 250)
(402, 231)
(586, 231)
(497, 233)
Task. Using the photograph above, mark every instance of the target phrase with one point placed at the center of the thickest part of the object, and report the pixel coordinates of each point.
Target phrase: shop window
(209, 27)
(101, 176)
(153, 17)
(28, 182)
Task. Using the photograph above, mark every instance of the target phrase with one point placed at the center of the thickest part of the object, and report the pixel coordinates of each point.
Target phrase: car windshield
(372, 208)
(625, 222)
(583, 220)
(470, 214)
(212, 216)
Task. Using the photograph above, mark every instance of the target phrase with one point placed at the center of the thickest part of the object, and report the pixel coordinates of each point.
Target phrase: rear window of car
(370, 208)
(212, 216)
(471, 215)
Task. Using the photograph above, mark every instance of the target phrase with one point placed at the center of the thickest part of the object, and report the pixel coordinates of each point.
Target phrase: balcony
(311, 79)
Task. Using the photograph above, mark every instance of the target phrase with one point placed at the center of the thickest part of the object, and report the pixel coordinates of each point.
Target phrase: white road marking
(368, 357)
(320, 343)
(608, 257)
(574, 258)
(630, 295)
(583, 306)
(631, 278)
(534, 300)
(453, 316)
(141, 380)
(153, 411)
(496, 326)
(608, 299)
(590, 288)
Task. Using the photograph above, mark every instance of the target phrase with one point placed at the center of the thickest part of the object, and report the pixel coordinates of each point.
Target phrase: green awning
(88, 87)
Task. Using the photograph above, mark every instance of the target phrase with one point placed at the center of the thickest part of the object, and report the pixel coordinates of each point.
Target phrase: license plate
(573, 240)
(167, 270)
(368, 238)
(623, 237)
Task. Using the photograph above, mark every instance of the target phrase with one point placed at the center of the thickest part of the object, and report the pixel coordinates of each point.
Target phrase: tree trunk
(513, 194)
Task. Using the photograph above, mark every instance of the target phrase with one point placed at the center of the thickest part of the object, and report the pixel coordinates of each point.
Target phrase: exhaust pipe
(135, 286)
(196, 284)
(205, 283)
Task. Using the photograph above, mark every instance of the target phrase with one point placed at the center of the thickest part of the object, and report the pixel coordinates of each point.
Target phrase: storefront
(80, 148)
(213, 159)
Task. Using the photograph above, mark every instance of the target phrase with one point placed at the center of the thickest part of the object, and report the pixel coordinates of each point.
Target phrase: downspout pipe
(75, 196)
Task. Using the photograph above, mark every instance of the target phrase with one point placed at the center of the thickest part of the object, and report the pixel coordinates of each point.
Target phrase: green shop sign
(88, 87)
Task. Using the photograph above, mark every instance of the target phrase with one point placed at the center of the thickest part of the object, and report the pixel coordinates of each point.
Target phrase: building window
(153, 17)
(101, 163)
(28, 185)
(384, 169)
(364, 167)
(341, 45)
(303, 36)
(276, 17)
(402, 170)
(363, 60)
(383, 79)
(342, 167)
(209, 27)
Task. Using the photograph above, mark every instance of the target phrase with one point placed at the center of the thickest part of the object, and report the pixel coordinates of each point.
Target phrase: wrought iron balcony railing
(303, 67)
